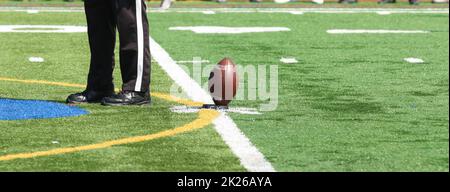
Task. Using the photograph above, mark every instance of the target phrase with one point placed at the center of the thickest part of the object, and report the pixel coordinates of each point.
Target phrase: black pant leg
(102, 39)
(132, 24)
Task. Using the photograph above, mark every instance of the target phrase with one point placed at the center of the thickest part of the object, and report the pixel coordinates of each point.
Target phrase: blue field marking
(11, 109)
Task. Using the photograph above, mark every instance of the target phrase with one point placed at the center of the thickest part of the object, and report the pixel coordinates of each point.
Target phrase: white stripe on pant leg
(140, 42)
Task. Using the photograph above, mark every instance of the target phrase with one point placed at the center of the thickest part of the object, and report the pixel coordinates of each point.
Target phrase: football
(223, 82)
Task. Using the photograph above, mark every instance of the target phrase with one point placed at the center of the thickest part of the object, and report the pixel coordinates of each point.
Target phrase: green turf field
(350, 104)
(67, 57)
(234, 4)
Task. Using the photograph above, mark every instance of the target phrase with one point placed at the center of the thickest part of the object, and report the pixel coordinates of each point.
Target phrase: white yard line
(192, 61)
(42, 9)
(250, 157)
(209, 12)
(414, 60)
(228, 30)
(251, 10)
(384, 13)
(42, 29)
(289, 60)
(248, 154)
(240, 110)
(36, 59)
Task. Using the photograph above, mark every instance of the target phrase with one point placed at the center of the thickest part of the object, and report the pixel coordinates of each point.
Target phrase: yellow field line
(205, 117)
(168, 97)
(164, 96)
(42, 82)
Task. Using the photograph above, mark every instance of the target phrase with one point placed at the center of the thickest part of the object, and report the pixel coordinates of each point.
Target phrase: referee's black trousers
(130, 19)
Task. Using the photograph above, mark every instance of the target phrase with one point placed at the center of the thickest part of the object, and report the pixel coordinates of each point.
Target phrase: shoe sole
(84, 102)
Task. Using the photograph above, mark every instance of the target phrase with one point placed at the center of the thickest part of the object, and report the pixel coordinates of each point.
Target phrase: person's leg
(133, 29)
(135, 63)
(165, 4)
(102, 38)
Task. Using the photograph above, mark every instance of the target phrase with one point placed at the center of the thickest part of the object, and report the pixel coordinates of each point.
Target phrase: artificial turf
(350, 104)
(236, 4)
(66, 60)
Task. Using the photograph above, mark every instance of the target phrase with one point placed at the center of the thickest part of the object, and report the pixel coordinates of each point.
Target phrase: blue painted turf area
(11, 109)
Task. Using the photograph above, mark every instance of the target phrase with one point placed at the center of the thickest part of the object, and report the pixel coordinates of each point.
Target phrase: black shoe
(127, 98)
(88, 97)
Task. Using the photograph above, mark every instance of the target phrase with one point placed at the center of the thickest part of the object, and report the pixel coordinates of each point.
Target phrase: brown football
(223, 82)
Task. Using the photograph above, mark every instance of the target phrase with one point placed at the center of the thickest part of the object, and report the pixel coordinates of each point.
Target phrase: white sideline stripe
(209, 12)
(250, 157)
(243, 110)
(228, 30)
(249, 10)
(39, 29)
(289, 60)
(190, 87)
(32, 11)
(384, 13)
(303, 10)
(371, 31)
(140, 39)
(414, 60)
(240, 110)
(191, 61)
(296, 12)
(36, 59)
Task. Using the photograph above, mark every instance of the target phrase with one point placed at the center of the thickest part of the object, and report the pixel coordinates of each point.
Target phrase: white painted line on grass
(244, 110)
(384, 13)
(43, 9)
(32, 11)
(414, 60)
(209, 12)
(181, 78)
(248, 154)
(184, 109)
(42, 29)
(249, 10)
(289, 60)
(373, 31)
(309, 10)
(250, 157)
(240, 110)
(36, 59)
(281, 1)
(296, 12)
(228, 30)
(191, 61)
(320, 2)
